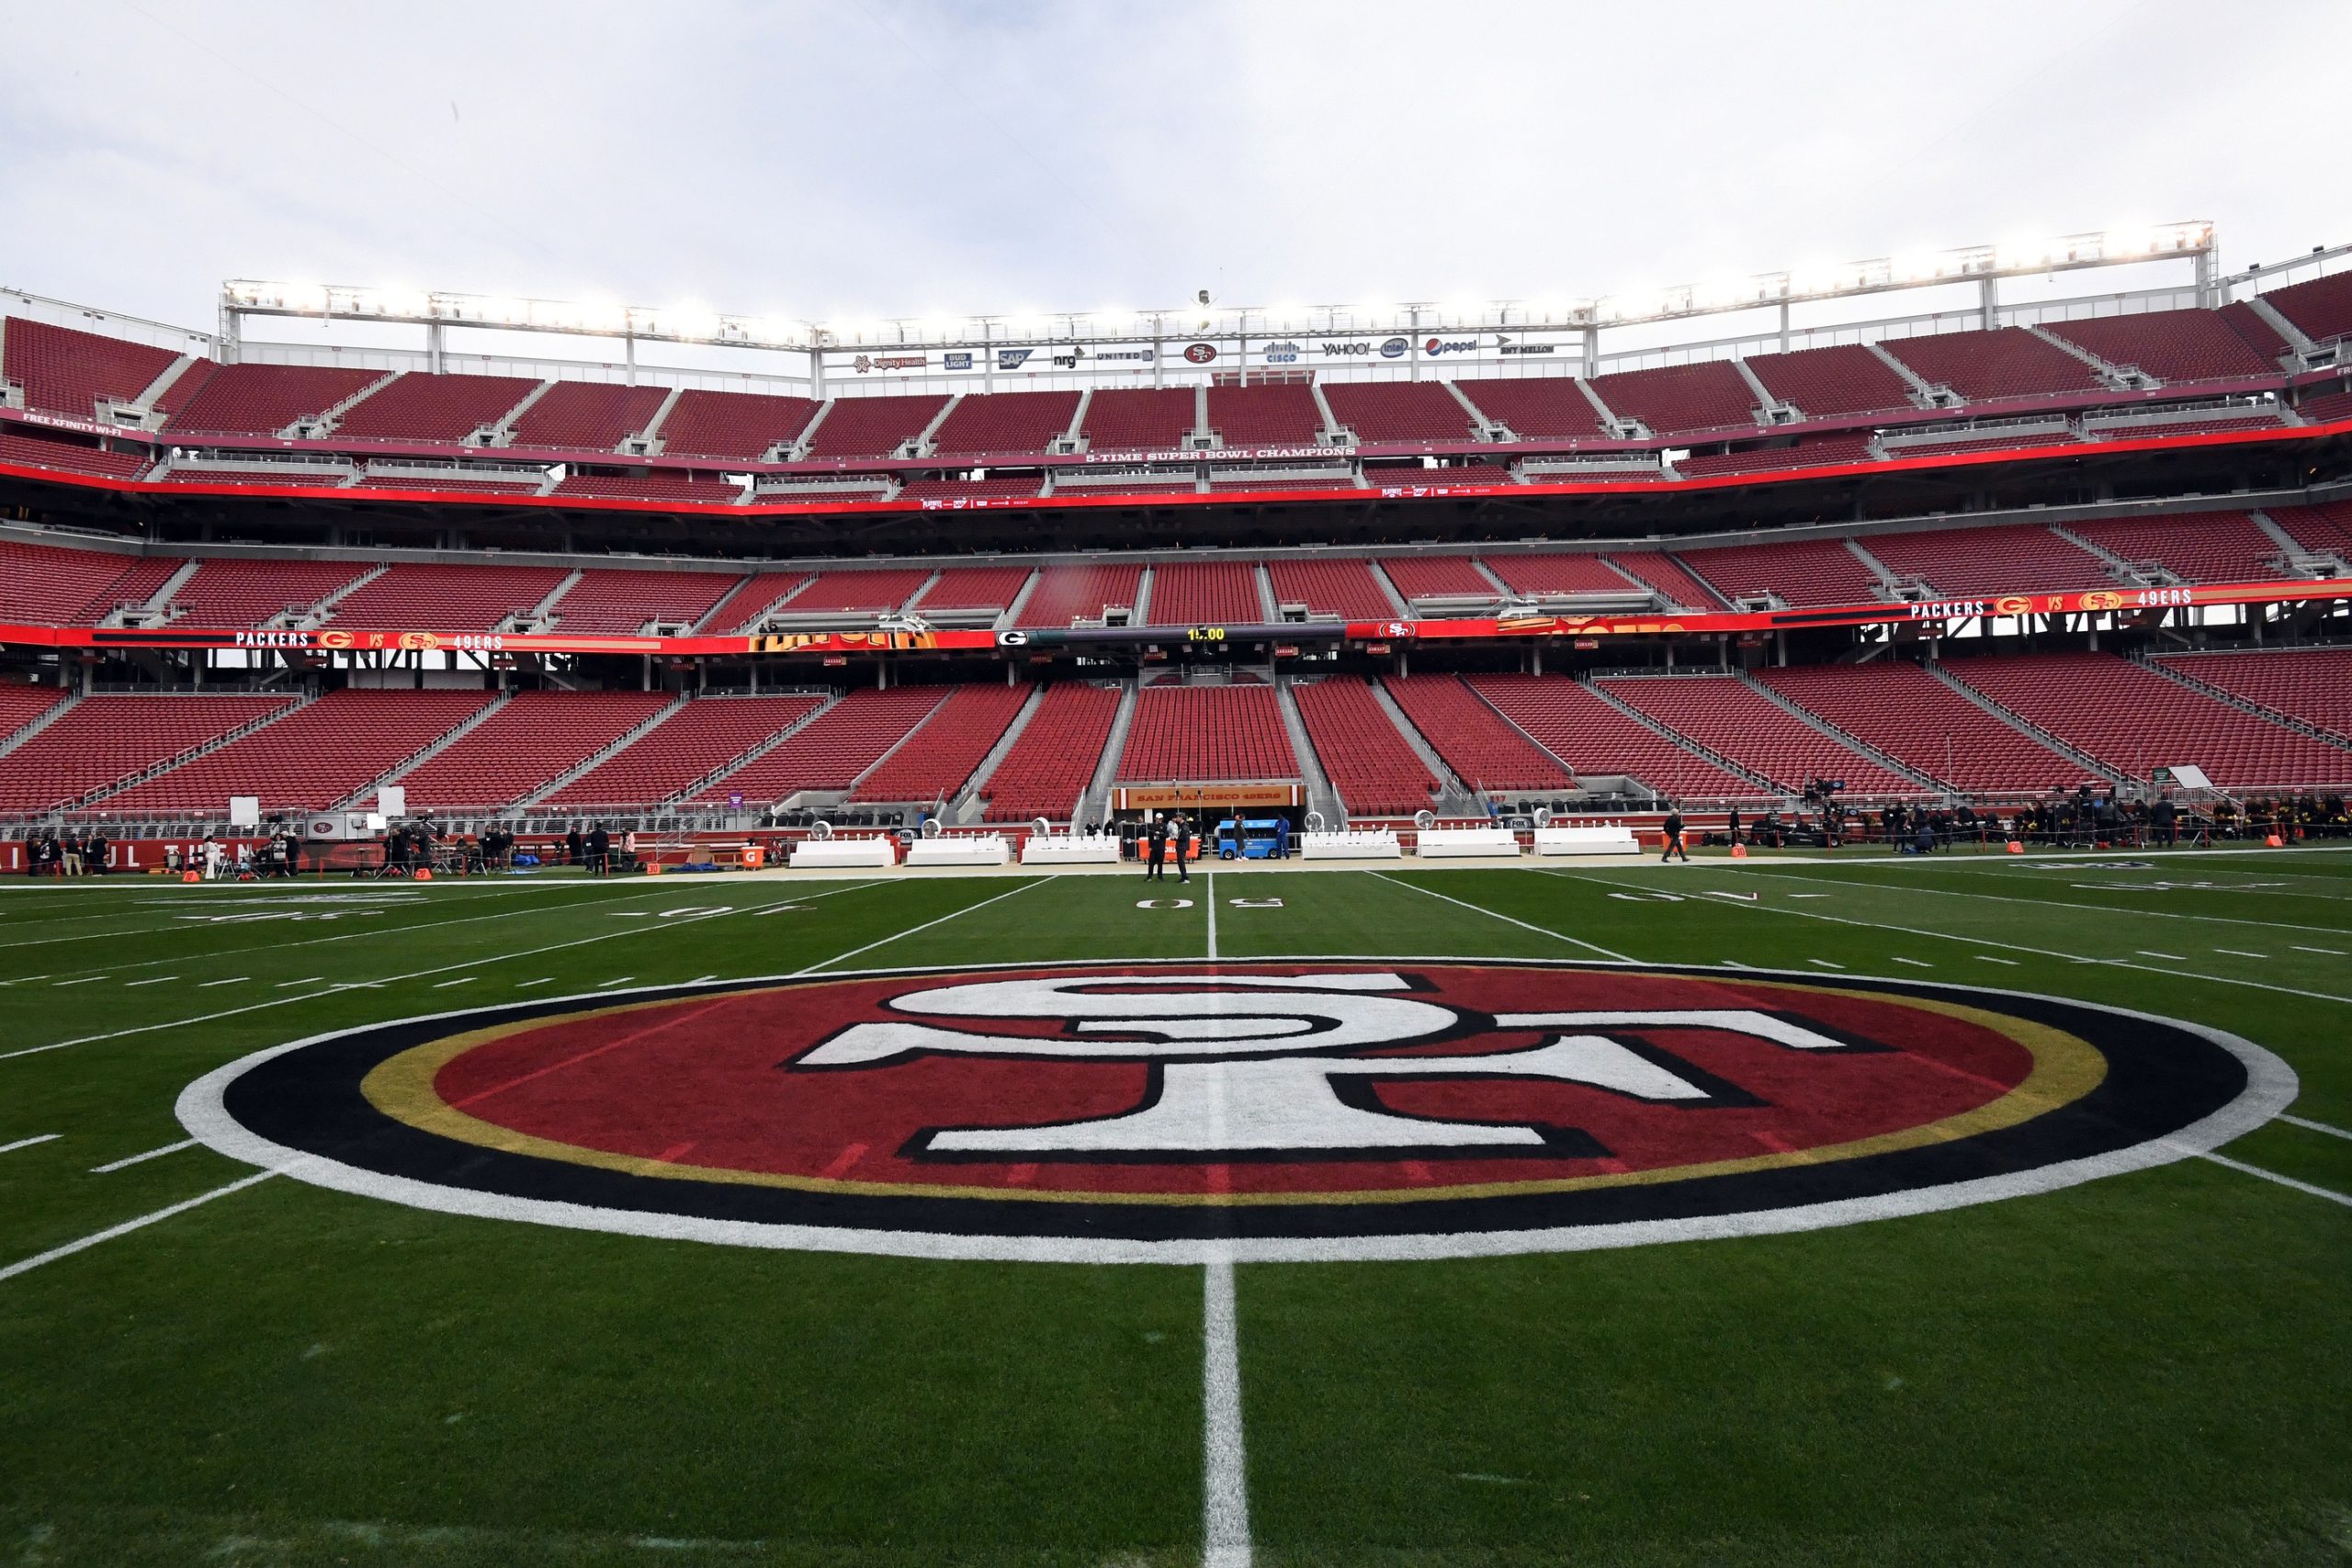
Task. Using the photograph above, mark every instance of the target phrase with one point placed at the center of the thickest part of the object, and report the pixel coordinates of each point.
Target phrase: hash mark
(609, 984)
(2331, 951)
(232, 980)
(2240, 953)
(1914, 963)
(2168, 957)
(460, 980)
(1988, 958)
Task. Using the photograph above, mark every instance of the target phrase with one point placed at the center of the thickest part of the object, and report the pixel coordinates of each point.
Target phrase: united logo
(1142, 1111)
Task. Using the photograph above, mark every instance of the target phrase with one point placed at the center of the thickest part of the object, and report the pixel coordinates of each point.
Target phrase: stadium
(1422, 932)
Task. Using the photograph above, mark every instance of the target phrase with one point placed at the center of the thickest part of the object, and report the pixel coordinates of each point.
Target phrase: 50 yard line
(1225, 1472)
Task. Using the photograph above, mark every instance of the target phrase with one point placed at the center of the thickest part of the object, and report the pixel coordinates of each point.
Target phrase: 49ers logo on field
(1154, 1111)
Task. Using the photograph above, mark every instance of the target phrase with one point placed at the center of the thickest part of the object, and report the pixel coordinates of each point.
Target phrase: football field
(1853, 1210)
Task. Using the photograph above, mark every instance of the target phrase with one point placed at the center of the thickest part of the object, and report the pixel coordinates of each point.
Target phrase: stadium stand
(1822, 382)
(75, 457)
(261, 399)
(873, 427)
(1597, 741)
(535, 738)
(939, 758)
(110, 739)
(1399, 410)
(1138, 418)
(20, 705)
(1375, 769)
(994, 488)
(973, 588)
(473, 484)
(1807, 452)
(321, 753)
(1483, 751)
(1005, 424)
(2144, 430)
(686, 748)
(2310, 684)
(2174, 345)
(1437, 577)
(320, 475)
(1203, 734)
(2326, 408)
(1953, 562)
(43, 586)
(1279, 415)
(1329, 586)
(1673, 399)
(418, 407)
(1126, 487)
(624, 602)
(1535, 406)
(588, 416)
(1668, 577)
(831, 749)
(1054, 758)
(1921, 722)
(2322, 308)
(2260, 335)
(859, 592)
(65, 371)
(1066, 595)
(447, 598)
(1206, 593)
(649, 487)
(752, 599)
(251, 592)
(2008, 362)
(1734, 719)
(2327, 526)
(1559, 574)
(1800, 571)
(2134, 719)
(2203, 547)
(732, 424)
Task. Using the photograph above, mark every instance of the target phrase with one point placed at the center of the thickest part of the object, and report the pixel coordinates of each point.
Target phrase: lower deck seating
(107, 740)
(938, 758)
(1919, 720)
(1484, 750)
(831, 749)
(1202, 734)
(683, 749)
(2312, 685)
(1055, 757)
(1597, 740)
(1734, 719)
(314, 757)
(2133, 720)
(2201, 547)
(1367, 759)
(532, 740)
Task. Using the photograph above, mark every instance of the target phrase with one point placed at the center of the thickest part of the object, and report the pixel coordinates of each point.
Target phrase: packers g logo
(1171, 1112)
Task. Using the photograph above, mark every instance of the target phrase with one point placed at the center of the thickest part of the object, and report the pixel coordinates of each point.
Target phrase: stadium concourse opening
(596, 1012)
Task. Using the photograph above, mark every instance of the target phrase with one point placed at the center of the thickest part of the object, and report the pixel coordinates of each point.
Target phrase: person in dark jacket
(1156, 849)
(600, 850)
(1184, 835)
(575, 847)
(1674, 845)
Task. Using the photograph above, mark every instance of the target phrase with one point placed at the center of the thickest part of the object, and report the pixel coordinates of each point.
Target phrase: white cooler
(1611, 840)
(1370, 845)
(1446, 843)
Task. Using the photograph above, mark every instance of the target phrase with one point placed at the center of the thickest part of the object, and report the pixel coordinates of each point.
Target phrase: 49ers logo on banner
(1150, 1112)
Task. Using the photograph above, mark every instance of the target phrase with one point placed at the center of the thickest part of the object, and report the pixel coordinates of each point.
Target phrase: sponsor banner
(877, 363)
(1191, 796)
(1505, 343)
(1227, 455)
(960, 359)
(85, 426)
(1166, 1111)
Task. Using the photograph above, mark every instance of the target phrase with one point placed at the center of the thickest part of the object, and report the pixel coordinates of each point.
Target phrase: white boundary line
(2274, 1176)
(1225, 1480)
(2306, 1122)
(2272, 1086)
(140, 1159)
(1506, 919)
(27, 1266)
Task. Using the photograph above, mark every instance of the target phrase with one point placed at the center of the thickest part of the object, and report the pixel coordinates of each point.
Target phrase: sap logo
(1201, 353)
(1281, 354)
(1394, 348)
(1013, 358)
(961, 361)
(1338, 350)
(1450, 346)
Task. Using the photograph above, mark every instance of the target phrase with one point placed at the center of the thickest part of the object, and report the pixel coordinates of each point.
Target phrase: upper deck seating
(2008, 362)
(2173, 345)
(1709, 394)
(1206, 593)
(873, 427)
(625, 600)
(1139, 419)
(1534, 575)
(1005, 425)
(452, 598)
(1399, 410)
(65, 371)
(1066, 595)
(1822, 382)
(1280, 414)
(2322, 306)
(1958, 562)
(261, 399)
(2197, 547)
(1672, 580)
(732, 424)
(1800, 571)
(226, 592)
(419, 407)
(1331, 586)
(1535, 406)
(1436, 576)
(588, 416)
(859, 592)
(973, 588)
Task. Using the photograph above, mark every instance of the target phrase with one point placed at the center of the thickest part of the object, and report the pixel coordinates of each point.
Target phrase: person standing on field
(1184, 847)
(1155, 849)
(1674, 845)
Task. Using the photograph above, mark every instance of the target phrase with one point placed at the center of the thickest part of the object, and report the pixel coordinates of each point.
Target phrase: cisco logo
(1394, 348)
(1201, 353)
(1450, 345)
(1281, 354)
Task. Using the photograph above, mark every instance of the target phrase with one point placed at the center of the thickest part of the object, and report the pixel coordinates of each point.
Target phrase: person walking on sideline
(1184, 846)
(1674, 845)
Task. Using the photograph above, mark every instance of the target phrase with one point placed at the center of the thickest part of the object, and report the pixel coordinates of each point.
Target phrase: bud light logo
(1394, 348)
(958, 361)
(1201, 353)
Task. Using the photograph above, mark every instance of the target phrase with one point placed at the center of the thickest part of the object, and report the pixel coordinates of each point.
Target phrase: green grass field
(2152, 1368)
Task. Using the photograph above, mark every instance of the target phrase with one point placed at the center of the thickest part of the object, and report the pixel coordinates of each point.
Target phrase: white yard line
(1914, 963)
(2331, 951)
(460, 980)
(2240, 952)
(83, 981)
(1824, 964)
(139, 1159)
(370, 985)
(606, 985)
(2168, 957)
(232, 980)
(1492, 914)
(2315, 1126)
(526, 984)
(1212, 917)
(28, 1265)
(28, 1143)
(158, 980)
(1225, 1485)
(917, 931)
(2273, 1175)
(306, 980)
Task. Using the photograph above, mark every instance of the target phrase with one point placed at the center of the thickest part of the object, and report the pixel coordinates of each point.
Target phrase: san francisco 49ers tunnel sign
(1144, 1111)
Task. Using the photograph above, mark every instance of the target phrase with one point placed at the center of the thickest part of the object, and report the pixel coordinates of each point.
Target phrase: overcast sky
(840, 159)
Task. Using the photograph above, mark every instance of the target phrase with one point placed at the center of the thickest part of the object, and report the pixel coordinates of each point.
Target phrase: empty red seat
(1597, 741)
(1066, 595)
(1368, 762)
(1485, 752)
(934, 761)
(1206, 593)
(1054, 758)
(109, 739)
(1207, 734)
(1919, 720)
(1332, 586)
(1733, 719)
(447, 598)
(831, 751)
(318, 755)
(681, 751)
(516, 752)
